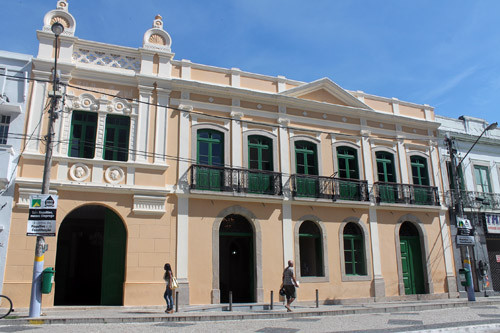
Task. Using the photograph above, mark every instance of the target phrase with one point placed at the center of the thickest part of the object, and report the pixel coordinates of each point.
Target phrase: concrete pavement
(125, 314)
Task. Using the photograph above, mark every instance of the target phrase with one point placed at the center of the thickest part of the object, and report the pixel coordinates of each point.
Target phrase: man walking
(289, 284)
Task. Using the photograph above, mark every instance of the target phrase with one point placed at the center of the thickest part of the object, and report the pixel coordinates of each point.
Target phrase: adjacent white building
(479, 175)
(14, 72)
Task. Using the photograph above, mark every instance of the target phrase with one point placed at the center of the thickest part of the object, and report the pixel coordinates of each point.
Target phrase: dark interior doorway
(90, 259)
(236, 260)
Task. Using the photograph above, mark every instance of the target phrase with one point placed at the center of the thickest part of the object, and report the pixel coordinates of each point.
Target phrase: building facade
(14, 70)
(479, 175)
(226, 175)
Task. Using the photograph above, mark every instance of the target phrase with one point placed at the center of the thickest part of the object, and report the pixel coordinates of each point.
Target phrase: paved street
(475, 318)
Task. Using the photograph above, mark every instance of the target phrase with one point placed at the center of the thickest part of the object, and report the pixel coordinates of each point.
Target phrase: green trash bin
(47, 280)
(464, 277)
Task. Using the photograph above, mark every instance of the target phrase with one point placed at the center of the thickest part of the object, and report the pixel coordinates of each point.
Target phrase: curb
(265, 314)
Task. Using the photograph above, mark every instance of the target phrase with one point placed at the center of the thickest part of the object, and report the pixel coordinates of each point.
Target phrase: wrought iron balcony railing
(406, 194)
(222, 179)
(329, 188)
(473, 199)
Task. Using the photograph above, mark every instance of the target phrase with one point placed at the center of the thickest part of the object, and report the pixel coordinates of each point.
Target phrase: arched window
(354, 252)
(210, 160)
(311, 250)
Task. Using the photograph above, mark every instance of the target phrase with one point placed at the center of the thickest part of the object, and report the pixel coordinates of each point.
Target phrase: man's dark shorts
(290, 291)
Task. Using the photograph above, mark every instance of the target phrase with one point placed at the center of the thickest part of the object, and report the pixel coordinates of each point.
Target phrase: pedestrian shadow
(174, 324)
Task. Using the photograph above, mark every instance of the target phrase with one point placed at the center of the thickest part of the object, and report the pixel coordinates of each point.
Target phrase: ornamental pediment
(325, 91)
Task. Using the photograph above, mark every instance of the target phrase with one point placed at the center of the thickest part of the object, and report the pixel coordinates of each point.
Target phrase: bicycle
(5, 306)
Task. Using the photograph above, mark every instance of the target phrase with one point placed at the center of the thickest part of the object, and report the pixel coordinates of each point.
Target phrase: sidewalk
(125, 314)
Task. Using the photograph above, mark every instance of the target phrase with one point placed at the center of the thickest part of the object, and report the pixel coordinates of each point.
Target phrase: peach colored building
(226, 175)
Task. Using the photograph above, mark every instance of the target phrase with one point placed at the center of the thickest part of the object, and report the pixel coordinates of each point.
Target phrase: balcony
(473, 199)
(222, 179)
(406, 194)
(306, 186)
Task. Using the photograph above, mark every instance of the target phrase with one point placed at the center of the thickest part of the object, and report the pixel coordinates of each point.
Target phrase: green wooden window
(306, 163)
(311, 249)
(116, 138)
(210, 152)
(82, 136)
(419, 170)
(348, 162)
(385, 167)
(348, 168)
(260, 157)
(482, 179)
(354, 250)
(386, 173)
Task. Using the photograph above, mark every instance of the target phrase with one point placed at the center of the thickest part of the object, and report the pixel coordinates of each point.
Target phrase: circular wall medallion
(79, 172)
(114, 175)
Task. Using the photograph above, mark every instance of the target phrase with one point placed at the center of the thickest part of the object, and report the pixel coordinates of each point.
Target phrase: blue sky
(442, 53)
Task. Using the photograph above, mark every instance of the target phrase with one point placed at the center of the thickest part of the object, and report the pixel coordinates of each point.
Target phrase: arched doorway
(411, 259)
(236, 260)
(90, 258)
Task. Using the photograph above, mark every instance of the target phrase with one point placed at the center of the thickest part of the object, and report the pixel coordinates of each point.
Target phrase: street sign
(465, 240)
(465, 232)
(42, 215)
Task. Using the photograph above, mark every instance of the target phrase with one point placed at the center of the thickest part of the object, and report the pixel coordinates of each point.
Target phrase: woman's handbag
(175, 285)
(282, 291)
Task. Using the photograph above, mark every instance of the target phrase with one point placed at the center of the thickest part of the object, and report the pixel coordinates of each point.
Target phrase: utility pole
(459, 212)
(40, 248)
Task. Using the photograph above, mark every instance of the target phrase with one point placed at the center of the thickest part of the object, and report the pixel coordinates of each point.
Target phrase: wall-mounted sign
(493, 223)
(465, 232)
(42, 215)
(465, 240)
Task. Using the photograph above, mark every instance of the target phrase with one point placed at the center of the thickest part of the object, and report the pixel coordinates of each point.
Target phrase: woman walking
(168, 277)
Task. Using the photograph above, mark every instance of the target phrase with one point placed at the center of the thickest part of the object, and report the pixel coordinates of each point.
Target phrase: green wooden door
(411, 263)
(210, 152)
(113, 260)
(420, 177)
(385, 171)
(348, 169)
(260, 157)
(306, 161)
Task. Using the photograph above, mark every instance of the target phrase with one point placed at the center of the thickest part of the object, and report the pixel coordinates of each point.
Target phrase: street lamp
(40, 248)
(490, 127)
(459, 210)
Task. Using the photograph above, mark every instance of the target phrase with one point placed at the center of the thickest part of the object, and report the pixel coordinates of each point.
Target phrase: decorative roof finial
(62, 4)
(158, 22)
(156, 38)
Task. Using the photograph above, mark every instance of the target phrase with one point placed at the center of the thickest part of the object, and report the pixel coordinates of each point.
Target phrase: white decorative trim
(149, 205)
(79, 172)
(114, 175)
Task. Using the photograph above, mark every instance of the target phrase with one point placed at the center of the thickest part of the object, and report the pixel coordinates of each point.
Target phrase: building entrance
(236, 260)
(411, 259)
(90, 258)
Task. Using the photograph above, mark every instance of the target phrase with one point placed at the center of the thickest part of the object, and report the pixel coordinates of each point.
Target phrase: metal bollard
(176, 301)
(271, 307)
(317, 298)
(230, 301)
